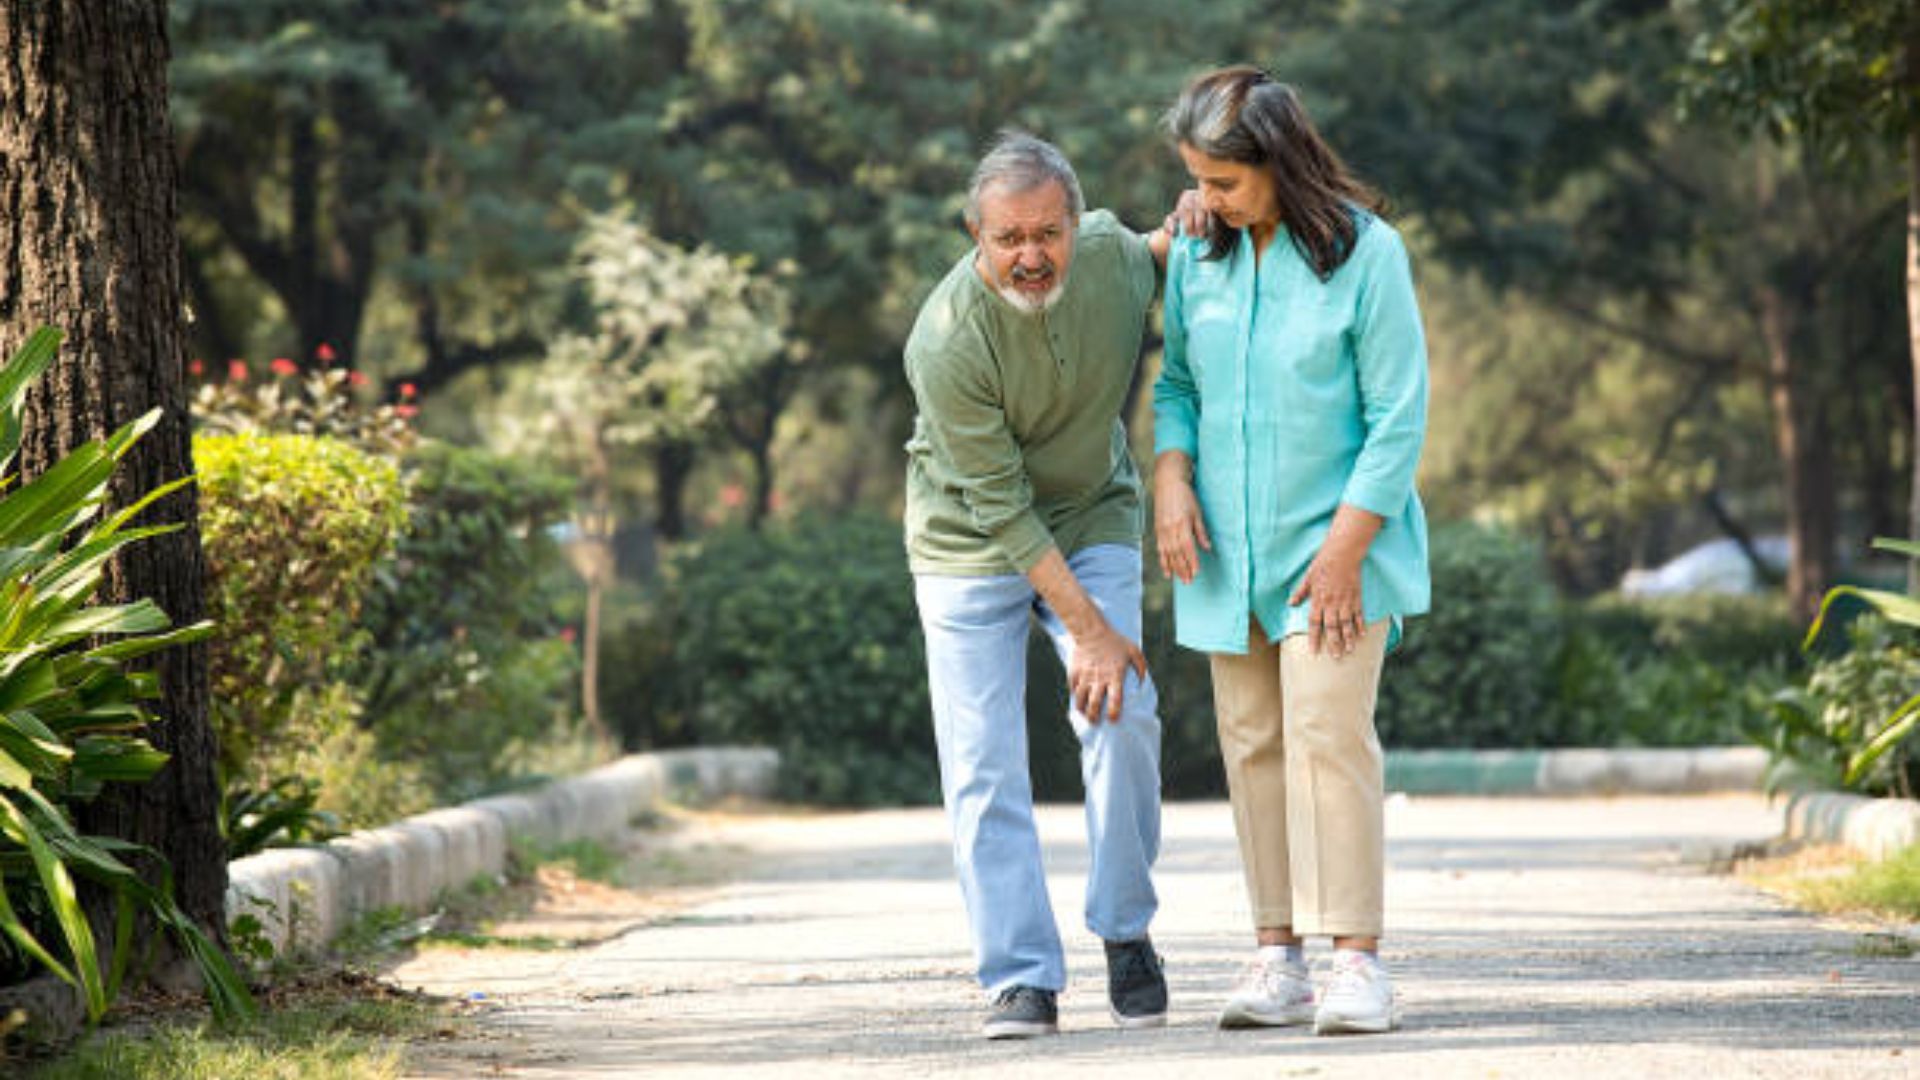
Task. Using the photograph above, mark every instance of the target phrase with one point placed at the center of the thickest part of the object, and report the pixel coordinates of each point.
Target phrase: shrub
(467, 657)
(1673, 671)
(318, 402)
(807, 640)
(1477, 670)
(293, 526)
(1822, 735)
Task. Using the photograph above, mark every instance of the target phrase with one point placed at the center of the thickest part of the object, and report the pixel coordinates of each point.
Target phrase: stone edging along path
(305, 897)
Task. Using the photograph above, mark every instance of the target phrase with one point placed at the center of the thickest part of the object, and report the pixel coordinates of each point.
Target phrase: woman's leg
(1247, 703)
(1336, 788)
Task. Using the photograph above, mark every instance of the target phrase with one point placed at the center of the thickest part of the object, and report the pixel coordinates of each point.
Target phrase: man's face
(1026, 243)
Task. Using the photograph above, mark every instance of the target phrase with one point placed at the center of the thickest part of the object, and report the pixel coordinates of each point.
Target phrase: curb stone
(305, 897)
(1876, 828)
(1576, 772)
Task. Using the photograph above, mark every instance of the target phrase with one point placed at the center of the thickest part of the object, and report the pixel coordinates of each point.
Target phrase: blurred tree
(1536, 144)
(1838, 76)
(87, 168)
(676, 334)
(451, 150)
(325, 143)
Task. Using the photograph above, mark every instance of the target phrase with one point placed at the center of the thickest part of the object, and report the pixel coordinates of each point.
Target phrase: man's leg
(1119, 760)
(976, 633)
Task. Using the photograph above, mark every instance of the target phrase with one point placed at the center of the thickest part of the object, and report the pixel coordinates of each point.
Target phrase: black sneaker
(1136, 984)
(1021, 1012)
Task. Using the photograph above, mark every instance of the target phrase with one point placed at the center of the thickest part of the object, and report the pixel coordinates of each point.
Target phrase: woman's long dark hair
(1240, 114)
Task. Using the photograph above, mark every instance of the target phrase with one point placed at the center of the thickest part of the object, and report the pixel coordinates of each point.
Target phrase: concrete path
(1530, 938)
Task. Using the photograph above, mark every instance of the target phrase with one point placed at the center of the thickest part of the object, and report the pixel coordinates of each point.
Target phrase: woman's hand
(1331, 588)
(1335, 616)
(1178, 528)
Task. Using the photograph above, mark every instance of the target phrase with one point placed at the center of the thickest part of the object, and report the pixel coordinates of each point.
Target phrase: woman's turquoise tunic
(1293, 395)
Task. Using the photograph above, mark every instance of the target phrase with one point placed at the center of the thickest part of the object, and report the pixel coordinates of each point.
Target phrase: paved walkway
(1530, 938)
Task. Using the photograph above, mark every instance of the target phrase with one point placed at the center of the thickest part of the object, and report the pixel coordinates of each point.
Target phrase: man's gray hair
(1021, 162)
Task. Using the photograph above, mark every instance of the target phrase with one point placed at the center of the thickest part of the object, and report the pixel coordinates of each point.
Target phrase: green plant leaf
(18, 933)
(58, 499)
(1898, 607)
(139, 617)
(12, 773)
(127, 650)
(1899, 725)
(29, 684)
(57, 884)
(117, 758)
(28, 364)
(1910, 548)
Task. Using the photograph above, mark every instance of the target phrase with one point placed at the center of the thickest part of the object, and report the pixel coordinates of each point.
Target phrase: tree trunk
(1800, 435)
(1913, 311)
(88, 244)
(761, 453)
(672, 465)
(593, 559)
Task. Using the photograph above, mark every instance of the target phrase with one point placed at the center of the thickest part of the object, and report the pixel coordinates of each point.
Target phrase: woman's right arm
(1179, 529)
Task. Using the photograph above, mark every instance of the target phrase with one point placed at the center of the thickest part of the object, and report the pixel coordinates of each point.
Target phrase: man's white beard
(1027, 303)
(1023, 302)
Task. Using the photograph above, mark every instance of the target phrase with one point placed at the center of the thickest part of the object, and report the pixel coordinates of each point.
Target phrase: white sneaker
(1357, 997)
(1272, 993)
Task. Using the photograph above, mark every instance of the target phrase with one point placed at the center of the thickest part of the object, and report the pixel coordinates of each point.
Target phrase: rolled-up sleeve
(1390, 353)
(1176, 399)
(966, 427)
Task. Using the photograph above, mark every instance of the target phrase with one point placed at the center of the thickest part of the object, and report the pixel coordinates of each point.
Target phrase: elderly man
(1023, 503)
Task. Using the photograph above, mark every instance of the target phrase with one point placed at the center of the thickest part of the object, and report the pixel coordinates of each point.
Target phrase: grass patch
(590, 860)
(1890, 888)
(479, 939)
(340, 1027)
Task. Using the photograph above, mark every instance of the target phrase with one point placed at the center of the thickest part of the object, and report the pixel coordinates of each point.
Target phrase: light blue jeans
(976, 632)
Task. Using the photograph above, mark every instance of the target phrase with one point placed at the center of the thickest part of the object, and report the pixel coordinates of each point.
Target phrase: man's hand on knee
(1097, 677)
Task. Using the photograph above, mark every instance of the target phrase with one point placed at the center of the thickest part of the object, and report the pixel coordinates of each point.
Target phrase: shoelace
(1329, 973)
(1013, 993)
(1269, 976)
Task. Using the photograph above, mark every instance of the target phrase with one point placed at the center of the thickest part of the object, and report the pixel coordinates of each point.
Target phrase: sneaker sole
(1239, 1016)
(1133, 1022)
(1019, 1029)
(1347, 1025)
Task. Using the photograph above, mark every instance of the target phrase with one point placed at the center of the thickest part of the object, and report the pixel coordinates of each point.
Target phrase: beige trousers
(1307, 779)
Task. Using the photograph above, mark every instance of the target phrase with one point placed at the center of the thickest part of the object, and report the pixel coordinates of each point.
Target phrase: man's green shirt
(1019, 445)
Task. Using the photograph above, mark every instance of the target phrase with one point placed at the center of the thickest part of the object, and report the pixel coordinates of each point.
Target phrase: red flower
(568, 634)
(407, 412)
(283, 366)
(408, 391)
(196, 368)
(237, 370)
(324, 353)
(733, 496)
(356, 378)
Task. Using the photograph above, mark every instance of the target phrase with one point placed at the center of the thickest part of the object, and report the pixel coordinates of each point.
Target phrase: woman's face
(1239, 194)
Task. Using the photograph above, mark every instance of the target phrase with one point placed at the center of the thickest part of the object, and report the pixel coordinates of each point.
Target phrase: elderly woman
(1288, 419)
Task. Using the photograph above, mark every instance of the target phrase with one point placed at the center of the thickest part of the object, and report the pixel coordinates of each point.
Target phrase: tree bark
(1913, 306)
(672, 466)
(1800, 435)
(88, 244)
